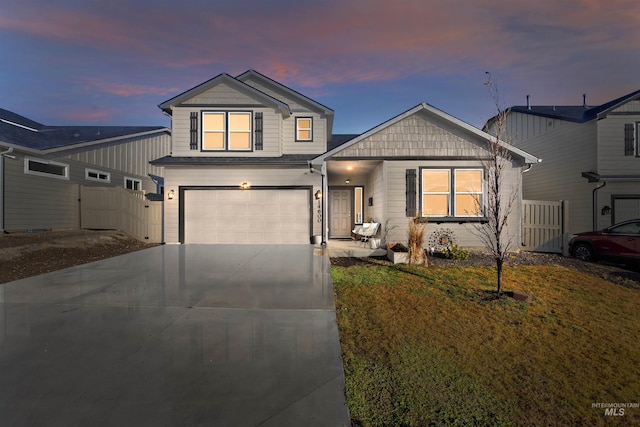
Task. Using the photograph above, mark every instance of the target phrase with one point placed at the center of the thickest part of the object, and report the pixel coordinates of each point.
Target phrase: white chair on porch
(366, 231)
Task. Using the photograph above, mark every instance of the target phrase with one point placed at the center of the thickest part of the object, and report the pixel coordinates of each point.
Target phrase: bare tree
(500, 198)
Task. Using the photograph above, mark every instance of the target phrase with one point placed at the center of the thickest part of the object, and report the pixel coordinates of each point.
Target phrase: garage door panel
(249, 216)
(626, 208)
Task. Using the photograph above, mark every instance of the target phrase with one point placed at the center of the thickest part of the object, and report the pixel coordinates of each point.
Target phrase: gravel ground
(627, 277)
(25, 254)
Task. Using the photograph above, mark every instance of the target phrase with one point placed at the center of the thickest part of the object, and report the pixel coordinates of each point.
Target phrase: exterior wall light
(318, 195)
(347, 181)
(244, 186)
(171, 195)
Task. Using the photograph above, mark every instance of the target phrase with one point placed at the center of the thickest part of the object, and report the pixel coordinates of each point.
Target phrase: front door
(339, 213)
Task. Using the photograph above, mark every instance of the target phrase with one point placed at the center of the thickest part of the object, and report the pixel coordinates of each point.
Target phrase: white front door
(340, 213)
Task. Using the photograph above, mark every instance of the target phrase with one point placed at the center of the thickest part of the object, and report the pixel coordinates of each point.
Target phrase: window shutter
(258, 131)
(193, 127)
(628, 139)
(410, 179)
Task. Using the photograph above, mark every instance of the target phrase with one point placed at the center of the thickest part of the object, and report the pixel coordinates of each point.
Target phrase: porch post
(325, 195)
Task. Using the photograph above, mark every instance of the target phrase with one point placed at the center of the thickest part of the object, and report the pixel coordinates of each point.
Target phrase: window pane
(435, 204)
(435, 180)
(49, 168)
(304, 134)
(213, 141)
(213, 121)
(304, 123)
(468, 181)
(358, 204)
(239, 121)
(240, 141)
(468, 205)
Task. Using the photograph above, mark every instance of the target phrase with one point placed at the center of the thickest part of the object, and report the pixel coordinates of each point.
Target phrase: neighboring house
(256, 162)
(591, 158)
(42, 167)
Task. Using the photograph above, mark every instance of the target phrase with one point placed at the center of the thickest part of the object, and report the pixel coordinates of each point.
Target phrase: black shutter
(410, 178)
(258, 131)
(193, 143)
(628, 139)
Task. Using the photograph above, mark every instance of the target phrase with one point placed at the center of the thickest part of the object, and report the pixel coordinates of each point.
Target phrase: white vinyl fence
(114, 208)
(543, 225)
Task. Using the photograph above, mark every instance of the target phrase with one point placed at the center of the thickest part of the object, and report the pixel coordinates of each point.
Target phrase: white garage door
(246, 216)
(625, 209)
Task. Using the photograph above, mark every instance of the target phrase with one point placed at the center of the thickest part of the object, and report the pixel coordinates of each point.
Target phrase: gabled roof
(22, 133)
(573, 113)
(231, 81)
(429, 109)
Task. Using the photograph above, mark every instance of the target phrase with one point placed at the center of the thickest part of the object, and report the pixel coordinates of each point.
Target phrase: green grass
(433, 346)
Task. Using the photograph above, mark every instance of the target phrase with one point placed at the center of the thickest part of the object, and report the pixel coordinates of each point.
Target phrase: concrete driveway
(191, 335)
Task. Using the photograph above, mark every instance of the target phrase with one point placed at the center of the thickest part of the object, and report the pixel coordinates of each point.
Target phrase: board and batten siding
(611, 142)
(181, 125)
(231, 177)
(466, 233)
(127, 157)
(567, 149)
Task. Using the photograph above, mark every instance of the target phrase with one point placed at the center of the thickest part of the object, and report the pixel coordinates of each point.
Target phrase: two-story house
(591, 158)
(254, 161)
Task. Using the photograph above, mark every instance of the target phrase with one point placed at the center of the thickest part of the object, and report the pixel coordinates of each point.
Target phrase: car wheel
(584, 252)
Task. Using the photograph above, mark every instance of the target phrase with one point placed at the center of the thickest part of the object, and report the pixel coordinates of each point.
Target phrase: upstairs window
(226, 131)
(304, 129)
(132, 183)
(452, 193)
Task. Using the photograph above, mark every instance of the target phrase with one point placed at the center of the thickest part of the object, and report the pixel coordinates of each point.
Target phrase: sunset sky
(111, 62)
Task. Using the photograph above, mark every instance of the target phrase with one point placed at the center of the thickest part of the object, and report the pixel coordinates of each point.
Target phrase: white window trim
(310, 129)
(228, 131)
(448, 193)
(452, 193)
(134, 180)
(48, 162)
(87, 171)
(481, 192)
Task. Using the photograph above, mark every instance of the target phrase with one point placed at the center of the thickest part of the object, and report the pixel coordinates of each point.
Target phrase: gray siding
(221, 94)
(319, 143)
(611, 158)
(255, 176)
(466, 234)
(181, 133)
(566, 149)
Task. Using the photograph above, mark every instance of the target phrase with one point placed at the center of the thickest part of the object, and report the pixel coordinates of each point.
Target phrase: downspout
(594, 201)
(2, 155)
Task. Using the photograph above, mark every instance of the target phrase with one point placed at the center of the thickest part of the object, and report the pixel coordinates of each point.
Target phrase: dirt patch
(627, 277)
(29, 254)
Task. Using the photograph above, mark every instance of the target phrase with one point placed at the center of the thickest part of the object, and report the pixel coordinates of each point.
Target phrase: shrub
(416, 240)
(455, 252)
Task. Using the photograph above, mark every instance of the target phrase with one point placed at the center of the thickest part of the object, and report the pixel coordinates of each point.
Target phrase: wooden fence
(544, 224)
(114, 208)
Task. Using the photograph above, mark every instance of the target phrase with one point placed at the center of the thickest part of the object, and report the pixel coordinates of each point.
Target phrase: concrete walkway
(191, 335)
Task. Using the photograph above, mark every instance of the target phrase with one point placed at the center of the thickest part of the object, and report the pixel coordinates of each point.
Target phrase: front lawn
(433, 346)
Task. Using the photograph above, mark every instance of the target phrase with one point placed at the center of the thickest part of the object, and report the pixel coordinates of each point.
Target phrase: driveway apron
(175, 335)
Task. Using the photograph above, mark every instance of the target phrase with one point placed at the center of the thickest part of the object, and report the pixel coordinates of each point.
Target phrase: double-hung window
(226, 131)
(304, 129)
(452, 193)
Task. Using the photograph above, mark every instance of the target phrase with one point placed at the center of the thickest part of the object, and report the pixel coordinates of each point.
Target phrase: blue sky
(111, 62)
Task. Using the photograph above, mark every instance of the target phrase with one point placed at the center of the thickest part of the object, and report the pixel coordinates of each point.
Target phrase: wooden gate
(115, 208)
(543, 225)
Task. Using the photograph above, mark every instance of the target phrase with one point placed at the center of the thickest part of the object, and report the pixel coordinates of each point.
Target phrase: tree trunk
(499, 269)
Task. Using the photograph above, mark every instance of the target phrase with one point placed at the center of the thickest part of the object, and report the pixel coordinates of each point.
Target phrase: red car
(620, 242)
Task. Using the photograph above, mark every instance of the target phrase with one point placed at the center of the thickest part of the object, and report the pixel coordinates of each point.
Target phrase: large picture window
(452, 192)
(230, 130)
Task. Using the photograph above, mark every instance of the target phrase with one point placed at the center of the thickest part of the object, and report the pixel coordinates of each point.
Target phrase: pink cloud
(89, 116)
(126, 89)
